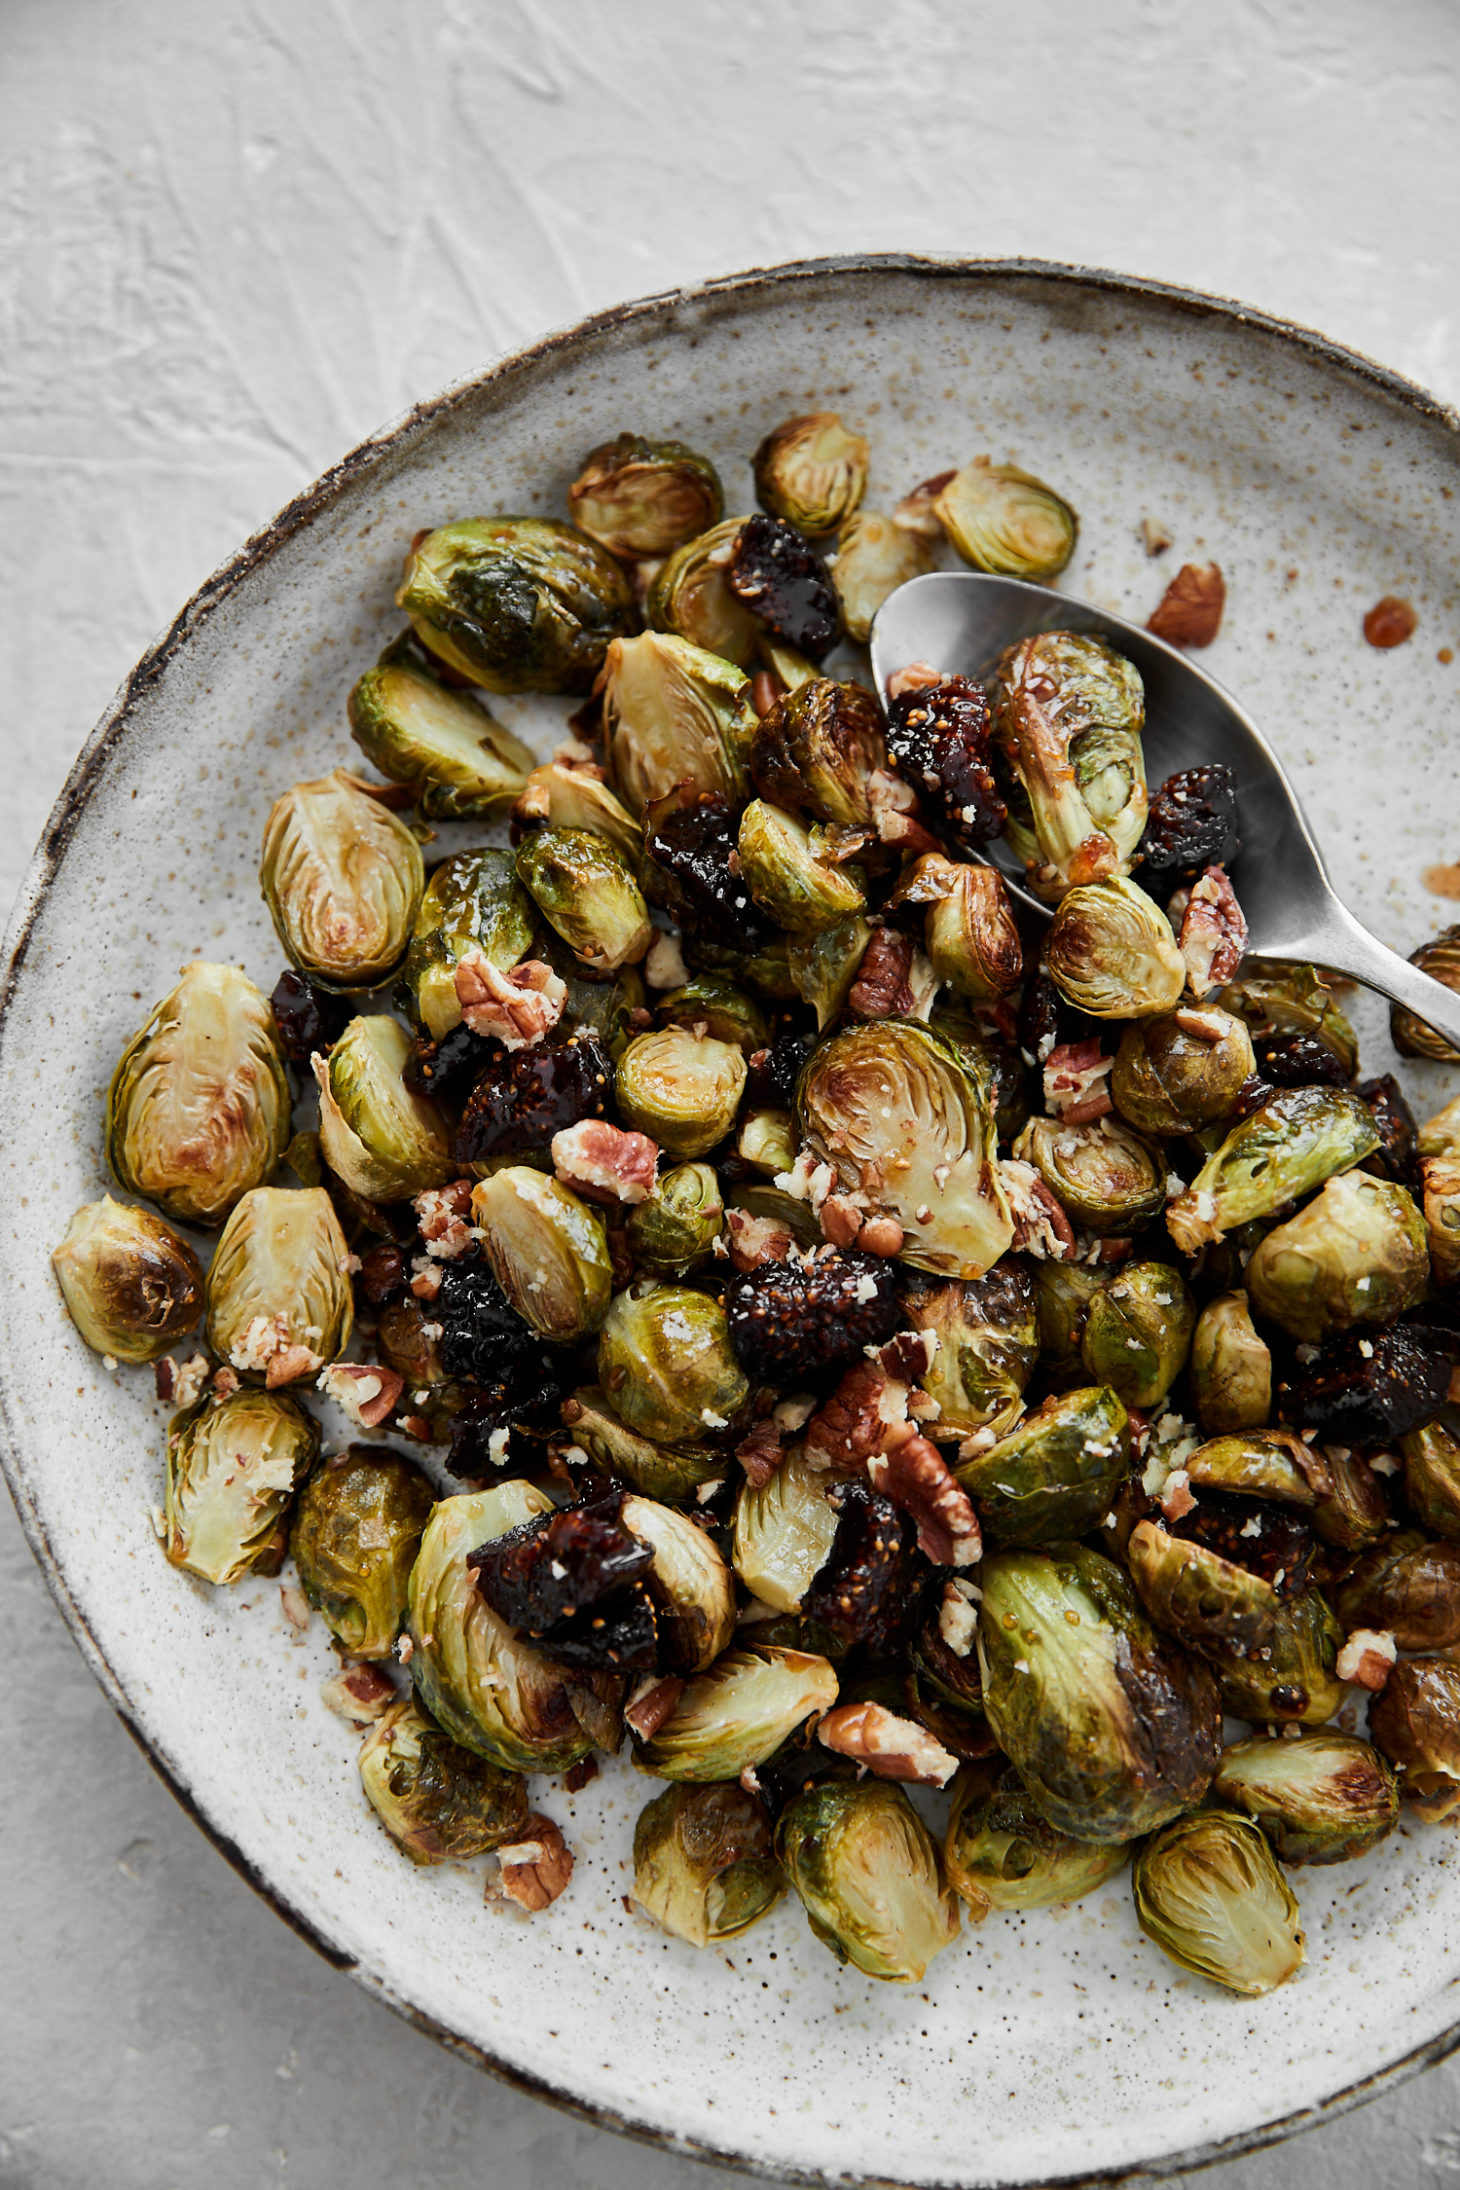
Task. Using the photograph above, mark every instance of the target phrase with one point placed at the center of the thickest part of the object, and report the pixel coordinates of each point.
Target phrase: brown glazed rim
(520, 366)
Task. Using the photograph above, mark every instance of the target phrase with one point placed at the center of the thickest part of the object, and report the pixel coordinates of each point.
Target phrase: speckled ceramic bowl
(1048, 2049)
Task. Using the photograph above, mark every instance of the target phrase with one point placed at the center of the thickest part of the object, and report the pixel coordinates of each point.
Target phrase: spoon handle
(1342, 942)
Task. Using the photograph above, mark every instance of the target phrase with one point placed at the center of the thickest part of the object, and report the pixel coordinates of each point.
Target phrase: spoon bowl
(959, 621)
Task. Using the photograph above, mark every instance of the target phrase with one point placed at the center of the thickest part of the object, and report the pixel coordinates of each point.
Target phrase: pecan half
(519, 1007)
(536, 1868)
(881, 989)
(1189, 612)
(759, 1452)
(916, 1477)
(604, 1164)
(1213, 933)
(889, 1746)
(1367, 1659)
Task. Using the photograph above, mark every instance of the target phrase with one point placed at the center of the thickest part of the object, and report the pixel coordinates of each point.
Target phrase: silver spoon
(959, 620)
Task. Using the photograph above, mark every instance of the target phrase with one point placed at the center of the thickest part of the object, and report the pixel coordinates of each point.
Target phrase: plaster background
(235, 238)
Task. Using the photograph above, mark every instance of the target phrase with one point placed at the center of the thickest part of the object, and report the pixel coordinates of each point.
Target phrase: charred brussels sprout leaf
(1415, 1723)
(1068, 715)
(674, 715)
(1300, 1137)
(1230, 1368)
(518, 604)
(1323, 1799)
(232, 1468)
(131, 1284)
(988, 1342)
(637, 497)
(1182, 1070)
(1054, 1476)
(704, 1865)
(816, 750)
(737, 1713)
(681, 1088)
(666, 1363)
(1432, 1477)
(783, 1533)
(657, 1470)
(1002, 1854)
(968, 927)
(457, 759)
(812, 472)
(384, 1142)
(785, 585)
(874, 556)
(1210, 1895)
(1355, 1254)
(1110, 951)
(560, 795)
(1107, 1178)
(690, 598)
(342, 878)
(1006, 521)
(357, 1528)
(473, 901)
(438, 1802)
(548, 1252)
(1138, 1331)
(198, 1108)
(675, 1230)
(279, 1296)
(868, 1876)
(585, 889)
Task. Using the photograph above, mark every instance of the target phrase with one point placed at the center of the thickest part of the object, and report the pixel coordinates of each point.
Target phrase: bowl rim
(45, 865)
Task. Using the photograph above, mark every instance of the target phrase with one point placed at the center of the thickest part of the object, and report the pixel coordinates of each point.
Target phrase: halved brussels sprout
(969, 928)
(811, 472)
(1276, 996)
(674, 714)
(1068, 713)
(642, 498)
(488, 1690)
(342, 878)
(1300, 1137)
(585, 888)
(1065, 1291)
(357, 1528)
(893, 1096)
(1356, 1254)
(1210, 1895)
(518, 604)
(690, 598)
(1195, 1593)
(1415, 1722)
(232, 1467)
(1006, 521)
(280, 1303)
(1440, 1189)
(437, 1801)
(988, 1342)
(557, 796)
(1138, 1331)
(1183, 1070)
(783, 1532)
(717, 1007)
(1261, 1464)
(868, 1875)
(704, 1864)
(131, 1284)
(737, 1713)
(676, 1228)
(816, 750)
(1411, 1035)
(1287, 1679)
(384, 1142)
(1432, 1477)
(1107, 1179)
(767, 1140)
(198, 1107)
(1110, 951)
(787, 877)
(667, 1365)
(1054, 1476)
(1406, 1587)
(692, 1587)
(1323, 1799)
(658, 1471)
(457, 759)
(1113, 1729)
(548, 1252)
(681, 1088)
(874, 556)
(1440, 1135)
(825, 965)
(1002, 1854)
(1230, 1368)
(473, 901)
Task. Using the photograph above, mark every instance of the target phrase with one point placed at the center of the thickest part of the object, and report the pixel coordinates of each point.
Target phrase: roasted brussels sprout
(643, 498)
(874, 556)
(1411, 1036)
(692, 1587)
(1054, 1476)
(667, 1365)
(1323, 1799)
(658, 1471)
(457, 759)
(384, 1142)
(1220, 1593)
(1104, 1176)
(1415, 1723)
(704, 1864)
(717, 1007)
(968, 927)
(232, 1467)
(280, 1304)
(868, 1875)
(1230, 1368)
(788, 877)
(473, 901)
(737, 1713)
(1210, 1895)
(1068, 715)
(674, 715)
(357, 1527)
(894, 1096)
(1440, 1135)
(816, 751)
(681, 1088)
(437, 1801)
(1278, 998)
(342, 878)
(1006, 521)
(518, 604)
(1183, 1070)
(487, 1689)
(988, 1342)
(1440, 1186)
(1110, 951)
(675, 1230)
(1261, 1463)
(812, 472)
(824, 966)
(1432, 1477)
(1138, 1331)
(131, 1284)
(1300, 1137)
(1355, 1254)
(767, 1140)
(198, 1108)
(1404, 1587)
(1289, 1678)
(689, 597)
(548, 1252)
(783, 1533)
(585, 888)
(1001, 1853)
(1113, 1729)
(1065, 1291)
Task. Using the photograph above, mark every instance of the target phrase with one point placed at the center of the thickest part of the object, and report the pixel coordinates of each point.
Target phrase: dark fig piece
(785, 584)
(789, 1323)
(870, 1591)
(1191, 825)
(1368, 1387)
(525, 1096)
(307, 1018)
(941, 738)
(694, 854)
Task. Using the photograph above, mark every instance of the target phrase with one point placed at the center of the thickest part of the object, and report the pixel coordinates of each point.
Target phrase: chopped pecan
(1367, 1659)
(1154, 536)
(267, 1346)
(889, 1746)
(1213, 933)
(1189, 612)
(909, 1355)
(536, 1868)
(519, 1007)
(841, 1219)
(916, 1477)
(604, 1164)
(295, 1606)
(651, 1704)
(360, 1692)
(425, 1279)
(881, 989)
(288, 1365)
(917, 676)
(894, 808)
(915, 513)
(1177, 1497)
(225, 1382)
(365, 1391)
(579, 1775)
(847, 1429)
(881, 1236)
(958, 1618)
(442, 1213)
(759, 1452)
(1041, 1227)
(664, 967)
(181, 1382)
(1076, 1080)
(766, 689)
(754, 1240)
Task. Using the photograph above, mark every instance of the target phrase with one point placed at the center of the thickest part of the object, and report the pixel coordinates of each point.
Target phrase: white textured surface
(233, 244)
